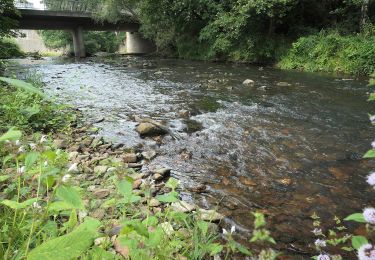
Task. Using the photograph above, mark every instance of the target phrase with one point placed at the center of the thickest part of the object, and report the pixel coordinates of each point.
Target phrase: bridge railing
(62, 5)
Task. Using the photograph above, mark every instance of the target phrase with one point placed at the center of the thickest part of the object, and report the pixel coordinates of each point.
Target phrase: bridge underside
(77, 23)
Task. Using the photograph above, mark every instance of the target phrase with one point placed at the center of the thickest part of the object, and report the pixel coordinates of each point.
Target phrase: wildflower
(320, 243)
(317, 232)
(371, 179)
(225, 232)
(66, 178)
(43, 139)
(233, 229)
(372, 119)
(366, 252)
(17, 142)
(21, 149)
(373, 144)
(32, 146)
(323, 257)
(36, 205)
(369, 215)
(73, 168)
(21, 170)
(45, 163)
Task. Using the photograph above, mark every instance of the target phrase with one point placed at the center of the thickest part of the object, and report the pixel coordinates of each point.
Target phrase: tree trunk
(364, 13)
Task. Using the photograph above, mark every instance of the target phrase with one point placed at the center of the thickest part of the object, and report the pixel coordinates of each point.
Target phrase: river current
(287, 149)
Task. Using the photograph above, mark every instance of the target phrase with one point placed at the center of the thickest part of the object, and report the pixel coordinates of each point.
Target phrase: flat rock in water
(210, 215)
(283, 84)
(148, 129)
(182, 206)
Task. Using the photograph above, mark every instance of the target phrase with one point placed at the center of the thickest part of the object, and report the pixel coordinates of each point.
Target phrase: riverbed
(289, 146)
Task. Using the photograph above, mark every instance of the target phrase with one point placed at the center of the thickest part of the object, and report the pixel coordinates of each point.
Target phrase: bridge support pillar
(78, 43)
(136, 44)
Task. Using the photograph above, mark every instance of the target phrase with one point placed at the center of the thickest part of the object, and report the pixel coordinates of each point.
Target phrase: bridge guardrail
(63, 5)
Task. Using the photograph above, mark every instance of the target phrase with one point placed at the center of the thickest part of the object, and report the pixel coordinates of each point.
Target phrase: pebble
(101, 193)
(154, 203)
(183, 206)
(100, 169)
(149, 155)
(248, 82)
(137, 184)
(210, 215)
(130, 158)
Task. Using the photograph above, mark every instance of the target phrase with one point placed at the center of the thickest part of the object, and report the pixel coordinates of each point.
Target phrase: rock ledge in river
(148, 129)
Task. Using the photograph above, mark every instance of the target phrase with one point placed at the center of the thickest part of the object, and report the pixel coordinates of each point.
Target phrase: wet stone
(148, 129)
(149, 155)
(130, 158)
(210, 215)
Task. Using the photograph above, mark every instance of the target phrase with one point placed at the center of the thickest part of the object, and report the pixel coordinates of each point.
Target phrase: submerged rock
(248, 82)
(283, 84)
(148, 129)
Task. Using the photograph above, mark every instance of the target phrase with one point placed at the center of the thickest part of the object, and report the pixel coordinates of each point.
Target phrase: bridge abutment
(136, 44)
(78, 43)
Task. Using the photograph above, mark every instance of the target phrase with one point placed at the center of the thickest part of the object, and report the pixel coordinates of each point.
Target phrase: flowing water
(287, 150)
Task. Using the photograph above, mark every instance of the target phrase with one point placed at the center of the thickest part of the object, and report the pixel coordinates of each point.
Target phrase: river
(288, 150)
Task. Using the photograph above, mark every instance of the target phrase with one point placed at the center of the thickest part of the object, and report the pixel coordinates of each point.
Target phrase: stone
(130, 158)
(101, 193)
(87, 141)
(73, 155)
(149, 155)
(100, 169)
(73, 168)
(158, 177)
(122, 250)
(60, 144)
(167, 228)
(137, 184)
(182, 206)
(283, 84)
(248, 82)
(154, 203)
(98, 214)
(163, 172)
(184, 113)
(148, 129)
(210, 215)
(285, 181)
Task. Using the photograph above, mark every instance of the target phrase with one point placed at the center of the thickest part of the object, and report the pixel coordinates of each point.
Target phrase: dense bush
(94, 41)
(332, 52)
(9, 49)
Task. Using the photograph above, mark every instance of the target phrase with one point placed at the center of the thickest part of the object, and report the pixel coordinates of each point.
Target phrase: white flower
(36, 205)
(32, 146)
(366, 252)
(323, 257)
(66, 178)
(43, 139)
(373, 144)
(73, 168)
(21, 149)
(320, 243)
(371, 179)
(317, 232)
(225, 232)
(369, 215)
(232, 229)
(17, 142)
(21, 170)
(45, 163)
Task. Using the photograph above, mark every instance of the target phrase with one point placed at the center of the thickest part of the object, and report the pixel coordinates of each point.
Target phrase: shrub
(332, 52)
(9, 49)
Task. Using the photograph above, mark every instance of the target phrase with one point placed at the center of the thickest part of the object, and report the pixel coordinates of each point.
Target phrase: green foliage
(7, 11)
(332, 52)
(9, 49)
(23, 105)
(94, 41)
(357, 217)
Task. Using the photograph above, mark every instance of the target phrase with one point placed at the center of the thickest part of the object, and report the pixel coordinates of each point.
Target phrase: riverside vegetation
(65, 194)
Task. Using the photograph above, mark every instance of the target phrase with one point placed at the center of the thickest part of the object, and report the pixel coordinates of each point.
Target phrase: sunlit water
(286, 150)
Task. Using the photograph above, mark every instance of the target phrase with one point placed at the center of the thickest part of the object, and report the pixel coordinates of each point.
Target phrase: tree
(7, 22)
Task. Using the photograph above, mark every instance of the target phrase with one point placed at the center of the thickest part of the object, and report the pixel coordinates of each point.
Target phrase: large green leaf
(69, 246)
(30, 159)
(358, 241)
(20, 84)
(357, 217)
(168, 197)
(11, 135)
(19, 205)
(70, 196)
(370, 154)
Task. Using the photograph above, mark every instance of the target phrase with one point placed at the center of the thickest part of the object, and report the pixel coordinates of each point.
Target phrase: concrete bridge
(78, 21)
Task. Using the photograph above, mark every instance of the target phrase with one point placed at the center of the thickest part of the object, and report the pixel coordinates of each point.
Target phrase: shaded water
(287, 150)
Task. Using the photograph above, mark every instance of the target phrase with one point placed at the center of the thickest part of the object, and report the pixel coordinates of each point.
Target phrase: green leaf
(20, 84)
(168, 197)
(69, 246)
(4, 178)
(70, 196)
(259, 221)
(99, 253)
(125, 188)
(371, 97)
(370, 154)
(243, 249)
(59, 206)
(17, 205)
(11, 135)
(358, 241)
(203, 226)
(357, 217)
(30, 159)
(215, 248)
(73, 220)
(172, 183)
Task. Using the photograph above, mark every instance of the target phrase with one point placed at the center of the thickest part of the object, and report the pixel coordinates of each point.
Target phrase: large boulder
(148, 129)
